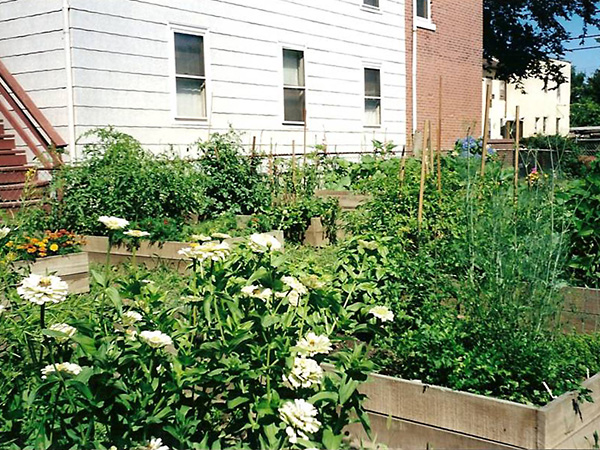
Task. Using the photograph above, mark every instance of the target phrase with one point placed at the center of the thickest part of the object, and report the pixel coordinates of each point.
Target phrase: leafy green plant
(118, 177)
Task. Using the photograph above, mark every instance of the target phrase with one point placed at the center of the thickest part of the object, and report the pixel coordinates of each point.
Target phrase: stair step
(13, 192)
(7, 144)
(19, 203)
(13, 160)
(6, 136)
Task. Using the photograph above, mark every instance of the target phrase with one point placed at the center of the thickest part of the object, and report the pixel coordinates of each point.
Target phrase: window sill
(293, 124)
(192, 121)
(372, 126)
(371, 9)
(425, 24)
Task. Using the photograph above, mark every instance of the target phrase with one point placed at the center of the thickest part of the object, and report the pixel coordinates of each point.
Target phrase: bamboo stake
(305, 129)
(439, 141)
(253, 150)
(430, 149)
(486, 128)
(423, 175)
(403, 165)
(294, 166)
(517, 143)
(427, 143)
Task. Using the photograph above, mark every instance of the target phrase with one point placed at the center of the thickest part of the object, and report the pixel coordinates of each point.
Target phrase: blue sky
(585, 60)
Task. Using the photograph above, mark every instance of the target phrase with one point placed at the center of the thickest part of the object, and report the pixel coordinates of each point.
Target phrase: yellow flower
(54, 247)
(9, 244)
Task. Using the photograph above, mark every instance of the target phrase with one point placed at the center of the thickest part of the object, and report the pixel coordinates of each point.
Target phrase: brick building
(449, 43)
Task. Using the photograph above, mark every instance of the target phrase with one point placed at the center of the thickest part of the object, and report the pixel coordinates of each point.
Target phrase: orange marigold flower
(31, 250)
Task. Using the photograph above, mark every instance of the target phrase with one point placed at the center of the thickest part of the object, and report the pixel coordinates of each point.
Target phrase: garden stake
(430, 149)
(439, 141)
(253, 150)
(294, 167)
(517, 143)
(486, 128)
(427, 143)
(304, 119)
(402, 165)
(423, 174)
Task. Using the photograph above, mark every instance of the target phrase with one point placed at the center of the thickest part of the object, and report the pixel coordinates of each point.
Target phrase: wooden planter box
(348, 200)
(412, 415)
(148, 254)
(581, 310)
(73, 268)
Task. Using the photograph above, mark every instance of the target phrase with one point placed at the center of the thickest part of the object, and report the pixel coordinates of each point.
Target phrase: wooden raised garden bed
(148, 254)
(73, 268)
(412, 415)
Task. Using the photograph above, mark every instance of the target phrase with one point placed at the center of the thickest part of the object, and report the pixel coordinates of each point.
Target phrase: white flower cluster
(294, 292)
(382, 313)
(40, 289)
(113, 223)
(300, 417)
(4, 232)
(66, 368)
(2, 308)
(264, 294)
(221, 236)
(64, 328)
(155, 339)
(136, 233)
(264, 243)
(200, 238)
(305, 373)
(214, 251)
(313, 344)
(155, 444)
(131, 317)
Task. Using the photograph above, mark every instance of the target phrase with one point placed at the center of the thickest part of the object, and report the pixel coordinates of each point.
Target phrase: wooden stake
(439, 141)
(423, 175)
(403, 165)
(486, 127)
(294, 166)
(427, 142)
(517, 143)
(253, 150)
(305, 128)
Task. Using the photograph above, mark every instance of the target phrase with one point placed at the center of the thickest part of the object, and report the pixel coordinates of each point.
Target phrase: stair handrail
(29, 113)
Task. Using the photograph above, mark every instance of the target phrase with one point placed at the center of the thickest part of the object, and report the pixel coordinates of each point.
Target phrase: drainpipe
(414, 68)
(69, 71)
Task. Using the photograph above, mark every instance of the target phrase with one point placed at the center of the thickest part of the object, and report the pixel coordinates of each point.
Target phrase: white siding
(122, 68)
(32, 48)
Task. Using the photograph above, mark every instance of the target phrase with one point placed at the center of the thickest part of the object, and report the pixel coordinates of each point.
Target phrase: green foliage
(220, 384)
(233, 181)
(565, 156)
(585, 114)
(119, 178)
(583, 199)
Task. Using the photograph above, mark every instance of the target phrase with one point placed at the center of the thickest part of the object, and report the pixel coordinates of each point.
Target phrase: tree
(578, 86)
(522, 38)
(593, 87)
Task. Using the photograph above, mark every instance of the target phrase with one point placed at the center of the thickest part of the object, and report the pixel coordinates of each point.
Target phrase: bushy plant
(233, 361)
(583, 200)
(118, 177)
(234, 182)
(565, 153)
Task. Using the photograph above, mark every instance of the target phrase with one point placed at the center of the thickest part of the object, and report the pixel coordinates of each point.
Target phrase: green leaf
(331, 441)
(232, 404)
(324, 396)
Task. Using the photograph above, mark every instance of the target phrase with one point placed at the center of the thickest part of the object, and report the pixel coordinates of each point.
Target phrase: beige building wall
(542, 111)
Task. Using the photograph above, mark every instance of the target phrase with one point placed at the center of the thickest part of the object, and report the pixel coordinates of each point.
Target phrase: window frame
(283, 86)
(371, 8)
(364, 97)
(424, 22)
(204, 34)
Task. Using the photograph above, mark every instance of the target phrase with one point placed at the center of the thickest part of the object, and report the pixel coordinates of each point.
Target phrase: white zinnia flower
(262, 243)
(4, 232)
(200, 237)
(113, 223)
(214, 251)
(67, 368)
(155, 339)
(221, 236)
(305, 373)
(300, 417)
(2, 309)
(383, 313)
(265, 294)
(40, 289)
(313, 344)
(131, 317)
(294, 285)
(155, 444)
(294, 298)
(137, 233)
(63, 328)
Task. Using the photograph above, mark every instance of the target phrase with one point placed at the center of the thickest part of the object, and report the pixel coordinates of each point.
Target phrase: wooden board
(484, 418)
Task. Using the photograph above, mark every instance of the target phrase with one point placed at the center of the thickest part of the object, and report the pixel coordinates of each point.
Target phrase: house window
(558, 125)
(423, 9)
(294, 90)
(190, 76)
(502, 95)
(372, 97)
(371, 3)
(545, 125)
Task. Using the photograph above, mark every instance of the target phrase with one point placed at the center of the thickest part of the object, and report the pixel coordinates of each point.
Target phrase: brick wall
(453, 51)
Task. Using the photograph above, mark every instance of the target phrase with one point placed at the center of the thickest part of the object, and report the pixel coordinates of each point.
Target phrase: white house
(542, 110)
(170, 72)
